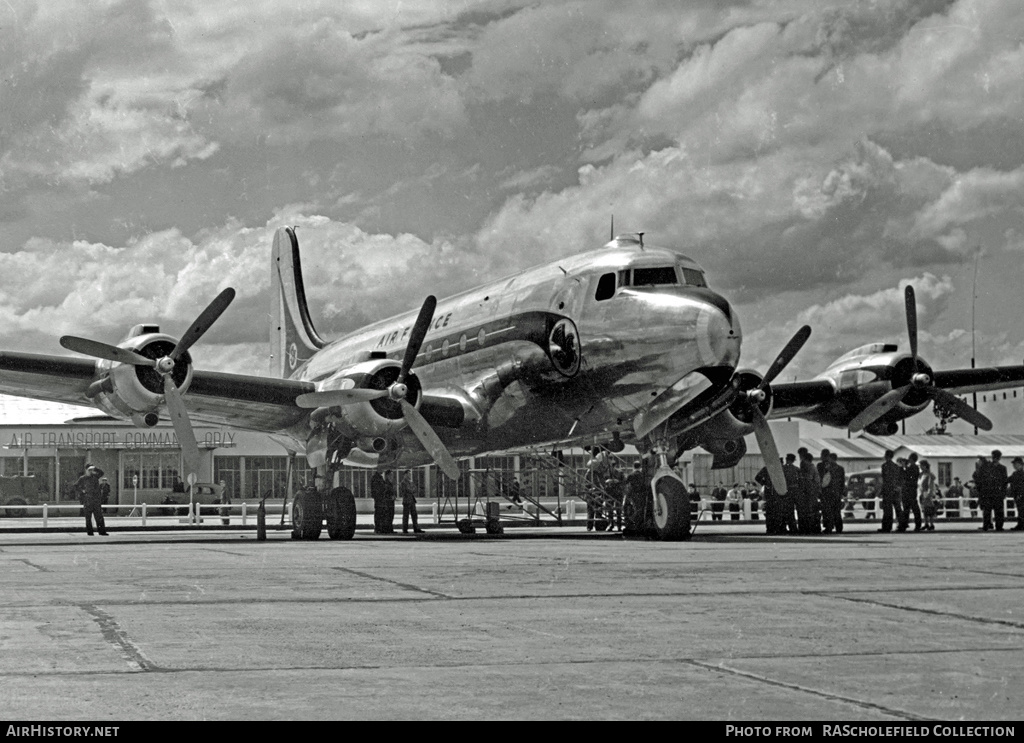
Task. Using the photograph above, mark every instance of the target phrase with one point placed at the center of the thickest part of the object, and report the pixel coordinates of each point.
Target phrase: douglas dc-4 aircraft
(622, 343)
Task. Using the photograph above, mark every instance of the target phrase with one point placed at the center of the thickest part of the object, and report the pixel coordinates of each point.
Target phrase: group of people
(382, 491)
(813, 501)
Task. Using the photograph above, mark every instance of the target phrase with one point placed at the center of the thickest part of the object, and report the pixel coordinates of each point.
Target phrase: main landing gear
(311, 508)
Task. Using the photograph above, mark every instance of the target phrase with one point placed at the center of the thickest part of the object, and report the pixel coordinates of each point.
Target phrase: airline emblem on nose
(293, 356)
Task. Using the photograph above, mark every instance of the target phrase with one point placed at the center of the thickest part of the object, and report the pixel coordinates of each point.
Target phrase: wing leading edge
(243, 401)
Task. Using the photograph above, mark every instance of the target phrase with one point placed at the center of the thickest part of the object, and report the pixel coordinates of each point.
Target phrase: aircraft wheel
(307, 515)
(341, 514)
(671, 510)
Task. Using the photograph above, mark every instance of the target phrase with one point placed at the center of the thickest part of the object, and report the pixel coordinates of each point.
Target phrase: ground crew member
(838, 492)
(635, 496)
(88, 489)
(408, 490)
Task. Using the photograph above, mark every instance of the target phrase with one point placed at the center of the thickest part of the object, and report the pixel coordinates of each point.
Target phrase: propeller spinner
(397, 391)
(919, 380)
(165, 367)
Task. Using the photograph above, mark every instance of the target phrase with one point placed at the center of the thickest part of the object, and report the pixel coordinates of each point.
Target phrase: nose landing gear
(671, 502)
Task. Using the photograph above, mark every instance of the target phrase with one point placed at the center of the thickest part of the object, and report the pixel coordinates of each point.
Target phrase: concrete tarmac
(535, 624)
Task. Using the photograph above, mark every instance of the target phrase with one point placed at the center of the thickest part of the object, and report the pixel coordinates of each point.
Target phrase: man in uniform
(408, 490)
(838, 492)
(88, 489)
(892, 491)
(911, 474)
(389, 506)
(993, 492)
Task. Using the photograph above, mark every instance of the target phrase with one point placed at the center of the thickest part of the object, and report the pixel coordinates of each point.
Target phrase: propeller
(919, 380)
(165, 367)
(398, 391)
(757, 395)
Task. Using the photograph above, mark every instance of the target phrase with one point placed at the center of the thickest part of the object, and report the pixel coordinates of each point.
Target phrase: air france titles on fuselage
(401, 335)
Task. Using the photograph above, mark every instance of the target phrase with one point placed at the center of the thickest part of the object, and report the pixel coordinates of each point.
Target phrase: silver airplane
(621, 344)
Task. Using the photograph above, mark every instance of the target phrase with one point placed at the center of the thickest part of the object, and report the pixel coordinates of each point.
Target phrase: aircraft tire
(672, 510)
(307, 515)
(341, 514)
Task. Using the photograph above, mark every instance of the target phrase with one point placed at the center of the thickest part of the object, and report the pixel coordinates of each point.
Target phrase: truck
(19, 490)
(177, 502)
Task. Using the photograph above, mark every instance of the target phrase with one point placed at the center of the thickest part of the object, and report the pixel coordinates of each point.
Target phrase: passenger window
(654, 276)
(624, 278)
(605, 287)
(693, 277)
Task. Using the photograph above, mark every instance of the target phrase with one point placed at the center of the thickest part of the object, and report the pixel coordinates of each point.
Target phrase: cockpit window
(654, 276)
(693, 277)
(605, 287)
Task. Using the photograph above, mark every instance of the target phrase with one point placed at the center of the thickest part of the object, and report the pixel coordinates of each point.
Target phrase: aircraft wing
(244, 401)
(965, 381)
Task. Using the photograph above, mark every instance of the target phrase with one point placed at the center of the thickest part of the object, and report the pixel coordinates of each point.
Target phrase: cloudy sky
(814, 156)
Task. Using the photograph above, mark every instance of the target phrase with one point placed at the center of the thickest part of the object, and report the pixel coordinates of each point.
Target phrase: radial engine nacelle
(137, 392)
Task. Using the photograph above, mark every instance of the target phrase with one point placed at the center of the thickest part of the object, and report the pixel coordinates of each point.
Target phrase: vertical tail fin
(293, 340)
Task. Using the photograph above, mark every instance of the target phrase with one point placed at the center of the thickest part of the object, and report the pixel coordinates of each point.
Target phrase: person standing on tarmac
(1016, 483)
(389, 505)
(838, 491)
(773, 522)
(792, 497)
(378, 491)
(911, 474)
(993, 492)
(892, 491)
(927, 493)
(408, 490)
(88, 489)
(830, 508)
(808, 508)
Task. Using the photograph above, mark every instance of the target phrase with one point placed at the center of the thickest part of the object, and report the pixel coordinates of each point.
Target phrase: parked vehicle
(20, 490)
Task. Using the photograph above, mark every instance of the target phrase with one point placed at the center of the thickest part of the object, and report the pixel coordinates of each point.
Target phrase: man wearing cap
(992, 492)
(1017, 491)
(88, 489)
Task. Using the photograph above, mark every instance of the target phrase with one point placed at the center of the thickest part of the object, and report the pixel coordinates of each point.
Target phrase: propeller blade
(878, 408)
(104, 351)
(911, 304)
(202, 323)
(786, 355)
(958, 406)
(430, 440)
(419, 332)
(337, 398)
(769, 451)
(182, 427)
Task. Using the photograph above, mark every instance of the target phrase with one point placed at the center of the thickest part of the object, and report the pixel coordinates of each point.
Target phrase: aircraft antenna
(974, 300)
(613, 228)
(641, 236)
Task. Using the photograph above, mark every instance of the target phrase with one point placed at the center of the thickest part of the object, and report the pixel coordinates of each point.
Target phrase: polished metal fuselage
(490, 349)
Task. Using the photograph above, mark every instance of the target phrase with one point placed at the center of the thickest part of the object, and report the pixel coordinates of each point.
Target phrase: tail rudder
(293, 339)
